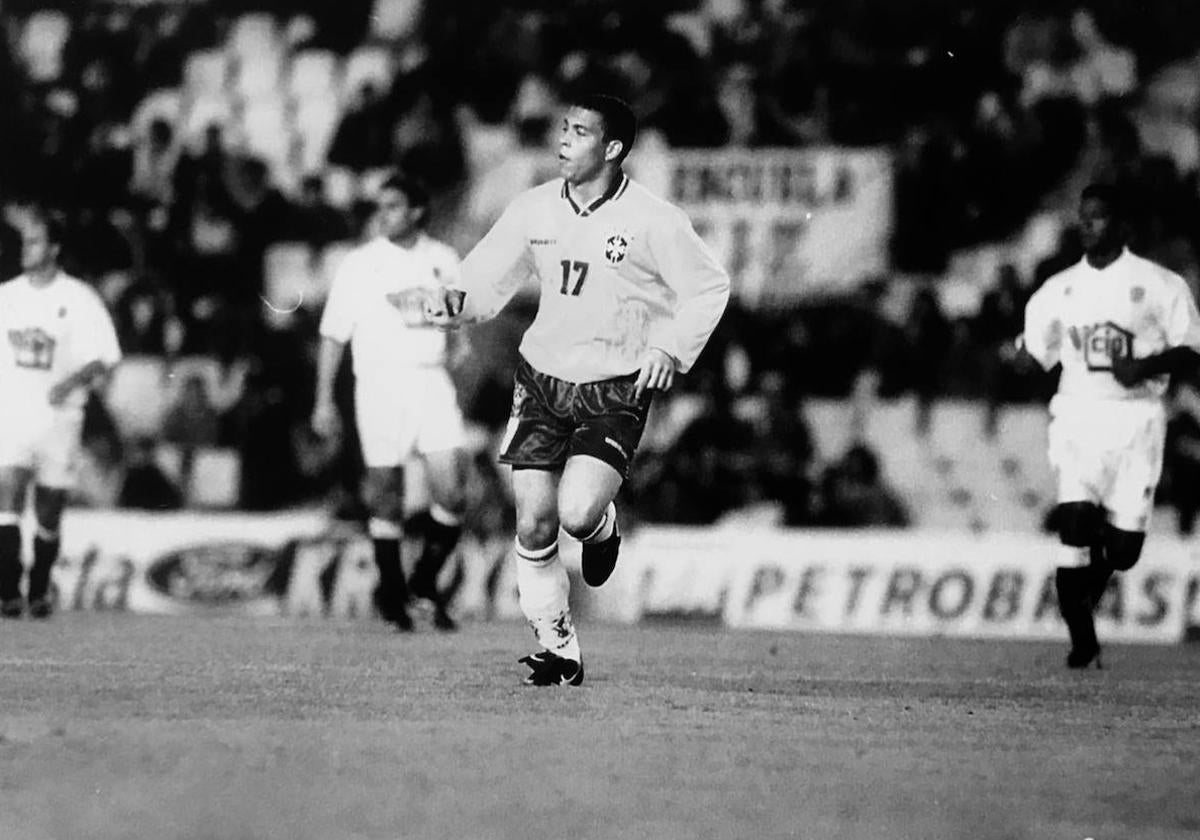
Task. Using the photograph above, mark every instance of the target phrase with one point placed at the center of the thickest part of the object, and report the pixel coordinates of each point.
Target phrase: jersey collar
(615, 190)
(1124, 255)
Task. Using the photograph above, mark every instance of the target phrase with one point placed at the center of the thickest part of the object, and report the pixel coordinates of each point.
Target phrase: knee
(536, 530)
(1080, 524)
(580, 515)
(1122, 549)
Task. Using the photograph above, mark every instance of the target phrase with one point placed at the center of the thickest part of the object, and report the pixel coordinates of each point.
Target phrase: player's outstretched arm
(494, 270)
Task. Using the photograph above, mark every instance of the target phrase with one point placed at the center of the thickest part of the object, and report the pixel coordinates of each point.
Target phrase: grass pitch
(120, 726)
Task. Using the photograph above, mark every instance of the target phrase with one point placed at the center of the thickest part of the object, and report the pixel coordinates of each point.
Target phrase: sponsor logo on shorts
(543, 241)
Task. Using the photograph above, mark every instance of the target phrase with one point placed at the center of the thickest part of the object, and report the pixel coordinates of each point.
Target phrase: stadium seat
(136, 396)
(42, 40)
(202, 112)
(290, 274)
(313, 74)
(341, 186)
(258, 75)
(164, 103)
(265, 128)
(215, 479)
(254, 34)
(366, 64)
(316, 121)
(206, 73)
(393, 20)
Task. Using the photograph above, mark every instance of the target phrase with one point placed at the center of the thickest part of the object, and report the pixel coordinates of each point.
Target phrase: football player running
(1119, 325)
(628, 297)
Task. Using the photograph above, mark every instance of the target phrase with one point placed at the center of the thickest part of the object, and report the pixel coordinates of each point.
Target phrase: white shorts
(1110, 453)
(45, 442)
(413, 412)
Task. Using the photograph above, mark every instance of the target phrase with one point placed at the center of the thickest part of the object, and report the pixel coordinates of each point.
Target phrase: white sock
(606, 527)
(1071, 557)
(543, 590)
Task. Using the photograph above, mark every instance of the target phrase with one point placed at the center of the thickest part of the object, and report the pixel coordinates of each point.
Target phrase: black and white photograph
(600, 419)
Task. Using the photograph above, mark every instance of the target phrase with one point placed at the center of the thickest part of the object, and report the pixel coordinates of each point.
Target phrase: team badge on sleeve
(615, 248)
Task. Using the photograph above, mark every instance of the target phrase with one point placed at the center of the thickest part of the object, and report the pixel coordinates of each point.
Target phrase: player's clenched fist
(657, 373)
(443, 305)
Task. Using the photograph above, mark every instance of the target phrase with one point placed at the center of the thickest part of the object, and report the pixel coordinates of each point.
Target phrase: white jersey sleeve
(448, 266)
(1043, 333)
(700, 284)
(498, 265)
(98, 336)
(338, 317)
(1181, 320)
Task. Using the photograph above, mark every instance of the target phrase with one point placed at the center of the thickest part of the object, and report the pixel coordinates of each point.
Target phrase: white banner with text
(891, 583)
(788, 222)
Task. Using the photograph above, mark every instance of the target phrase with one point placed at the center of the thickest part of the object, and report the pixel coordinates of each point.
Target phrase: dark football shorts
(553, 419)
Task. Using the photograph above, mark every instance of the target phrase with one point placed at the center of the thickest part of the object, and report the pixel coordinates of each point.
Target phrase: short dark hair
(52, 223)
(620, 124)
(1107, 194)
(414, 189)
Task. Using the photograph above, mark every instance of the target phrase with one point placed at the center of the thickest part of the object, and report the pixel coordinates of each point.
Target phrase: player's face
(581, 146)
(37, 251)
(1098, 227)
(395, 217)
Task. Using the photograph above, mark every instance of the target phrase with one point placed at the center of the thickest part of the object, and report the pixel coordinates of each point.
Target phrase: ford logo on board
(216, 573)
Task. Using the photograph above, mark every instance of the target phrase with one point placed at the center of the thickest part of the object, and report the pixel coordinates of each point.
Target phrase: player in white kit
(56, 341)
(1120, 325)
(629, 295)
(405, 402)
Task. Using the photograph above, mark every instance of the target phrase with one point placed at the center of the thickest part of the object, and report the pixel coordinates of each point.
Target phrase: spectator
(1181, 485)
(854, 495)
(996, 325)
(928, 333)
(313, 219)
(146, 486)
(363, 139)
(155, 159)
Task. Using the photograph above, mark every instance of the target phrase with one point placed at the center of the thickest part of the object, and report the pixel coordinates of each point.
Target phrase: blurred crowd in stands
(184, 140)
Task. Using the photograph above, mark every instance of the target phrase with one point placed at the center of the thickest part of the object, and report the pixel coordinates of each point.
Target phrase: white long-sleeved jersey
(1085, 317)
(375, 303)
(48, 333)
(624, 274)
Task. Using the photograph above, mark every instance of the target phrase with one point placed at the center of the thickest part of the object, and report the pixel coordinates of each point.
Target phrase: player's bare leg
(48, 504)
(585, 504)
(543, 587)
(445, 472)
(383, 490)
(14, 482)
